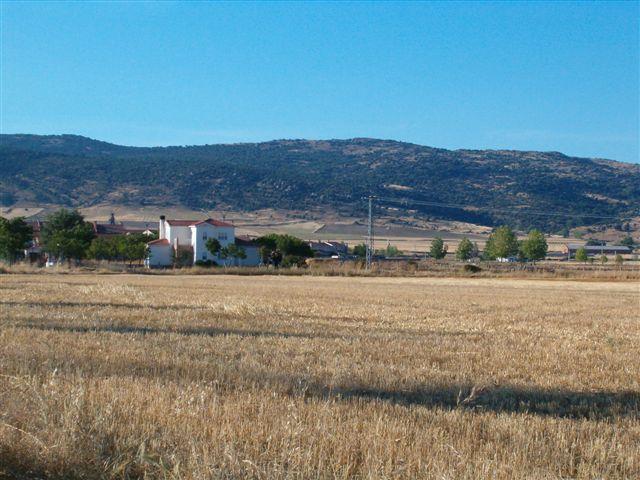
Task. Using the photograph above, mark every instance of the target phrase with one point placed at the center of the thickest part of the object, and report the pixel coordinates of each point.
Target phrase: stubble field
(125, 376)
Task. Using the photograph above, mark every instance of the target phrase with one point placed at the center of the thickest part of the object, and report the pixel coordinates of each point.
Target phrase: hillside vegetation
(319, 175)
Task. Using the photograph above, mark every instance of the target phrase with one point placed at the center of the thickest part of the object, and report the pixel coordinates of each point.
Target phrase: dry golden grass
(125, 376)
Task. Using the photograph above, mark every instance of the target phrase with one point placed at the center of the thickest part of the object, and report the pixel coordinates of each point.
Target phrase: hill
(498, 186)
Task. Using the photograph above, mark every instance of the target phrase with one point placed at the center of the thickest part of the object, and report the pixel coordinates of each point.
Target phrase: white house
(190, 236)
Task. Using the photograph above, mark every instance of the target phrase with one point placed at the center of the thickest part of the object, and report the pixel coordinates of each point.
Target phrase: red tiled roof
(160, 241)
(215, 223)
(181, 223)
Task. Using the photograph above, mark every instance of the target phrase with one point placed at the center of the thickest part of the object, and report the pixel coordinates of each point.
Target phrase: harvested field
(194, 377)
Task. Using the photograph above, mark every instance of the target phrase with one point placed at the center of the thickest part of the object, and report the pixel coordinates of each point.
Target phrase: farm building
(111, 229)
(189, 237)
(570, 249)
(326, 249)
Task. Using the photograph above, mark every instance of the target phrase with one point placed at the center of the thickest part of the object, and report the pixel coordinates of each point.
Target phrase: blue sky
(533, 76)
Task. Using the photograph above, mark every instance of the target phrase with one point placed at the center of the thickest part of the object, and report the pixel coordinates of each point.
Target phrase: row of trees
(275, 249)
(66, 236)
(230, 252)
(502, 243)
(124, 248)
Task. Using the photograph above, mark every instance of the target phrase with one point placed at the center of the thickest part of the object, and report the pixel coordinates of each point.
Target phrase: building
(570, 250)
(110, 229)
(324, 249)
(187, 239)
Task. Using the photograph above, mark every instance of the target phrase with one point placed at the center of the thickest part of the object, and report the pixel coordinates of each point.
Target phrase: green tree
(627, 241)
(275, 247)
(213, 246)
(15, 235)
(287, 244)
(581, 254)
(465, 249)
(501, 243)
(132, 248)
(66, 235)
(604, 259)
(232, 251)
(360, 250)
(438, 249)
(619, 260)
(535, 246)
(102, 248)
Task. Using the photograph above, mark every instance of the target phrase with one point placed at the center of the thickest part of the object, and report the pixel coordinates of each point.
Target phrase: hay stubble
(321, 377)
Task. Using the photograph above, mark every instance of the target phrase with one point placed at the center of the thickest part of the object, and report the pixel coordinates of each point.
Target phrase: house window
(222, 236)
(204, 236)
(204, 256)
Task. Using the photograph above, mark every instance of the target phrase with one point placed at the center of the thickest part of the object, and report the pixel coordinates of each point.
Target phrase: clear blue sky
(541, 76)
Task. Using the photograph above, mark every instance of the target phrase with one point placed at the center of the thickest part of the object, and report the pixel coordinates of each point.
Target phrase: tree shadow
(189, 331)
(504, 399)
(11, 303)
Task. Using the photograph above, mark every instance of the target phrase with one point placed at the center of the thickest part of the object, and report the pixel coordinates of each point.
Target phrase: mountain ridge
(300, 174)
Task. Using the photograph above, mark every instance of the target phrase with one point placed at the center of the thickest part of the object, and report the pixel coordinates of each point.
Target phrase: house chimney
(161, 232)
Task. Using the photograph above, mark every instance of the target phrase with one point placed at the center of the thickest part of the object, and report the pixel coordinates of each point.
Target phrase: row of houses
(186, 238)
(189, 237)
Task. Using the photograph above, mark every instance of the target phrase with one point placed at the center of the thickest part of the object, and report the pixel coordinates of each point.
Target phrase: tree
(275, 257)
(360, 250)
(275, 247)
(15, 235)
(103, 249)
(213, 245)
(438, 249)
(132, 248)
(392, 251)
(65, 234)
(628, 241)
(604, 259)
(501, 243)
(232, 251)
(287, 244)
(581, 254)
(594, 242)
(619, 260)
(465, 249)
(535, 246)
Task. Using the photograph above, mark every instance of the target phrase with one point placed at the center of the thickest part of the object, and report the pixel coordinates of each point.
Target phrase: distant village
(65, 237)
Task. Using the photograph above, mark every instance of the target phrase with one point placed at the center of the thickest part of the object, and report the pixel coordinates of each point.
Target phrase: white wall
(183, 234)
(225, 235)
(159, 256)
(253, 257)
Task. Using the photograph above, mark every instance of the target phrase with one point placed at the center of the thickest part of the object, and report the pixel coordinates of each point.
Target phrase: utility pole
(370, 250)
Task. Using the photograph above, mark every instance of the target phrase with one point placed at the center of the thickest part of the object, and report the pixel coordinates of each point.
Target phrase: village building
(570, 250)
(328, 249)
(188, 238)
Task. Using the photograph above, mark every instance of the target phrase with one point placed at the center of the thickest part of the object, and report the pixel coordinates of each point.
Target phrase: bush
(469, 268)
(293, 261)
(205, 263)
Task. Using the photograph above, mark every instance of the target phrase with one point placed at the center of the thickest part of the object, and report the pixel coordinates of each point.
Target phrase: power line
(370, 250)
(491, 209)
